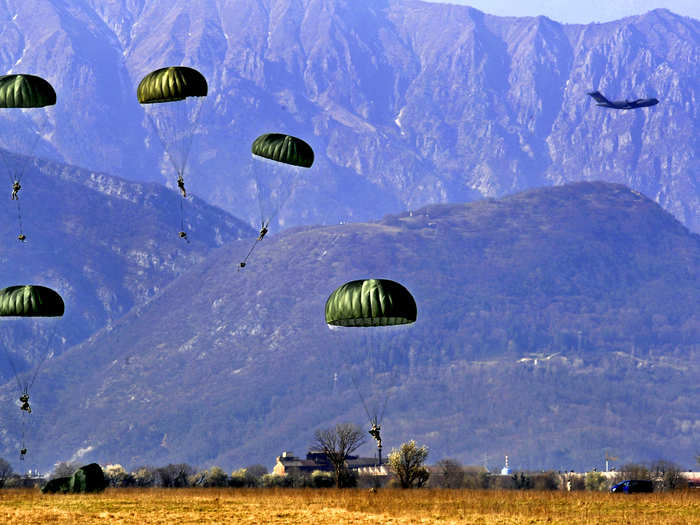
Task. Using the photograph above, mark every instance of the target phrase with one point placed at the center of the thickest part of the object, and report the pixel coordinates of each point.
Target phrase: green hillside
(552, 325)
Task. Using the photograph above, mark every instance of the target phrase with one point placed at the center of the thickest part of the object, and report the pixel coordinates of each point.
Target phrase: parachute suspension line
(362, 398)
(23, 390)
(23, 436)
(179, 170)
(283, 200)
(183, 233)
(19, 221)
(45, 355)
(28, 386)
(25, 386)
(381, 414)
(261, 207)
(11, 176)
(166, 147)
(182, 214)
(14, 370)
(189, 138)
(24, 165)
(186, 144)
(250, 252)
(276, 205)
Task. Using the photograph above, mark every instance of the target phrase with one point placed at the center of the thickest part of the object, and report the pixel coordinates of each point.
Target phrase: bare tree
(5, 471)
(632, 471)
(668, 472)
(338, 443)
(174, 475)
(407, 464)
(64, 469)
(144, 476)
(450, 474)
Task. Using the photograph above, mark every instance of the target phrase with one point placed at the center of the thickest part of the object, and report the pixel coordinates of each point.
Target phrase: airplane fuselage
(622, 104)
(630, 104)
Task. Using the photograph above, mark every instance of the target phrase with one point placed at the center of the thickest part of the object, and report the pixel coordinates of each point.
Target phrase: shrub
(596, 481)
(320, 479)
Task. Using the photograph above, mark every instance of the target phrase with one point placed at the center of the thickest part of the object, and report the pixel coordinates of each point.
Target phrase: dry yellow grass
(320, 507)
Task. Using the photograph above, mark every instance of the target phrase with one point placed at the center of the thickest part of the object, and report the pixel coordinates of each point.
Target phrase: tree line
(406, 467)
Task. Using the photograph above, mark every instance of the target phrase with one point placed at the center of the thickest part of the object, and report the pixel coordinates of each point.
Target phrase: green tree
(338, 443)
(247, 477)
(116, 476)
(320, 479)
(407, 463)
(521, 481)
(213, 477)
(545, 481)
(5, 471)
(596, 481)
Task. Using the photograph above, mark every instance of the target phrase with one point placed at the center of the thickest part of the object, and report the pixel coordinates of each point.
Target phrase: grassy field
(320, 507)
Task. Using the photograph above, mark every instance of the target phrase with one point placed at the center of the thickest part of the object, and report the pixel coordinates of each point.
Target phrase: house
(288, 463)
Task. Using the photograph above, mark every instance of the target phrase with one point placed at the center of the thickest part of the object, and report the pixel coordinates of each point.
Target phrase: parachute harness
(376, 417)
(265, 223)
(184, 145)
(24, 388)
(261, 236)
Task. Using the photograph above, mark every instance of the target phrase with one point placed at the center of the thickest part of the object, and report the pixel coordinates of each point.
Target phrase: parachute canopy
(284, 148)
(30, 301)
(25, 91)
(170, 84)
(370, 302)
(88, 478)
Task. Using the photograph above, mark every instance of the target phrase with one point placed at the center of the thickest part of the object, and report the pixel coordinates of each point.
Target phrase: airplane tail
(598, 97)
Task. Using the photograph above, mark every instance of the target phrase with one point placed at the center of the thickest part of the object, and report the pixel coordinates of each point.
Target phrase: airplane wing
(598, 97)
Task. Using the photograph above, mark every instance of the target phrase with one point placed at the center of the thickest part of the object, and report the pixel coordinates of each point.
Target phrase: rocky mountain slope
(552, 325)
(404, 102)
(104, 243)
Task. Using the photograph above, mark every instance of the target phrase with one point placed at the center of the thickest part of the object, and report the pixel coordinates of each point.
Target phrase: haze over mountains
(552, 325)
(404, 102)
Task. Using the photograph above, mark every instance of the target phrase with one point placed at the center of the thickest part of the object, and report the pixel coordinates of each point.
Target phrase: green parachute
(171, 84)
(28, 301)
(21, 92)
(25, 91)
(172, 98)
(365, 306)
(371, 302)
(274, 182)
(284, 148)
(87, 479)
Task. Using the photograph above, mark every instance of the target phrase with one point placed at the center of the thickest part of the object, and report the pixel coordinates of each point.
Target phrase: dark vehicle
(622, 104)
(631, 486)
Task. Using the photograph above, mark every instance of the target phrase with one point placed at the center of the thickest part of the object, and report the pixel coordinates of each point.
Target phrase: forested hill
(552, 325)
(404, 102)
(104, 243)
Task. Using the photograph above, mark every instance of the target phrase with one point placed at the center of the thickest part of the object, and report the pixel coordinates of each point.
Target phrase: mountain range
(104, 243)
(405, 103)
(548, 242)
(553, 325)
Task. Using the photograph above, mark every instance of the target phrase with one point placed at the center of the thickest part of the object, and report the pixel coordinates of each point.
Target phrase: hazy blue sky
(579, 12)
